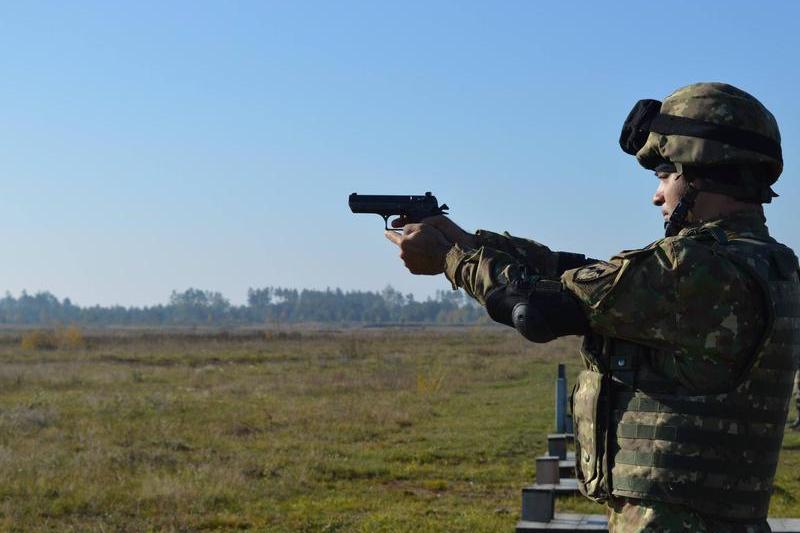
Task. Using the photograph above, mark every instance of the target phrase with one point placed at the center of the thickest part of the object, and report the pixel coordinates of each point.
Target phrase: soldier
(689, 343)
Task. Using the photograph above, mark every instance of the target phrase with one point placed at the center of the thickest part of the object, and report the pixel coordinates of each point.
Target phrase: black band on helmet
(691, 127)
(636, 127)
(645, 117)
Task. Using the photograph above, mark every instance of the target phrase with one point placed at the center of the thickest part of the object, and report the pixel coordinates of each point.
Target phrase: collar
(744, 224)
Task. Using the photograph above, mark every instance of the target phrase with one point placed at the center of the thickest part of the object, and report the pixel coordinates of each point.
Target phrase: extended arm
(540, 309)
(515, 283)
(537, 257)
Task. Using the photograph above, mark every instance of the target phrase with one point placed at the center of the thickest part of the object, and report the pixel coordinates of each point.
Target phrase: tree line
(270, 305)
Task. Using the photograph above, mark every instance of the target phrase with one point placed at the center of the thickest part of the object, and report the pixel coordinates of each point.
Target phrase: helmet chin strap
(677, 219)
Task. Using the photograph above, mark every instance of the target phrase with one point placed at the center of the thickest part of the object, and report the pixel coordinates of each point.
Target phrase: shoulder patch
(592, 282)
(595, 271)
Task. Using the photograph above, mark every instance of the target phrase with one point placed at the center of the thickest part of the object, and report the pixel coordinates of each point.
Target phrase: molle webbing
(742, 442)
(749, 504)
(771, 413)
(682, 462)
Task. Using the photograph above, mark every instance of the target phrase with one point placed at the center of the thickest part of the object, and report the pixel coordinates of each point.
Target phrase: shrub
(70, 338)
(39, 340)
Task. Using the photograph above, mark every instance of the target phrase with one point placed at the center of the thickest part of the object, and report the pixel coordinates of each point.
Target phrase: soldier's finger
(399, 222)
(411, 228)
(393, 236)
(447, 227)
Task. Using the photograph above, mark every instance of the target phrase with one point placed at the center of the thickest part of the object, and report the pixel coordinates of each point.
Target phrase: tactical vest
(639, 435)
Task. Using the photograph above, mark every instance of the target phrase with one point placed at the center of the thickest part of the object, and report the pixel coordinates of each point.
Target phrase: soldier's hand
(452, 231)
(422, 248)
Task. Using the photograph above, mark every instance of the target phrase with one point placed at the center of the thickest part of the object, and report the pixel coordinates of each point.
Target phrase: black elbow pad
(510, 306)
(539, 313)
(531, 324)
(500, 304)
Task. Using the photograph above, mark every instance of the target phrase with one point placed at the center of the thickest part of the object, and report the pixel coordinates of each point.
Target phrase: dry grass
(368, 430)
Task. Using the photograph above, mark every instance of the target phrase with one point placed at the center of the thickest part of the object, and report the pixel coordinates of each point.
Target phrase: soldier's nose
(658, 200)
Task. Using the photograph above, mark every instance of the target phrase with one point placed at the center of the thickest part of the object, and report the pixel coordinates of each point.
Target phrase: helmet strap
(677, 219)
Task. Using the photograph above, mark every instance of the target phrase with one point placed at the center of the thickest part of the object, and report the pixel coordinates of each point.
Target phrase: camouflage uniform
(687, 438)
(649, 296)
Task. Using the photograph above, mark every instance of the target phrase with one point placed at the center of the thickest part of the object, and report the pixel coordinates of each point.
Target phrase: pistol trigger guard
(386, 223)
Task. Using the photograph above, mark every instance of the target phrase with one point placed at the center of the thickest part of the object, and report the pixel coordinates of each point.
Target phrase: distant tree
(270, 304)
(198, 306)
(259, 298)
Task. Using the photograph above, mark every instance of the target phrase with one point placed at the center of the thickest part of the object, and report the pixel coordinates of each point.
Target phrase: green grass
(369, 430)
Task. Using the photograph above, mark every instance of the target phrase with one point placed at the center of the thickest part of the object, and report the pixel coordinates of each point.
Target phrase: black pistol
(410, 209)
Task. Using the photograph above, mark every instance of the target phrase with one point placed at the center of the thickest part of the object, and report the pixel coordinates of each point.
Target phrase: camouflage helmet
(706, 127)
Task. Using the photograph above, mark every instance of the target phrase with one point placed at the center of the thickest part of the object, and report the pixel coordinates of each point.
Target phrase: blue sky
(152, 146)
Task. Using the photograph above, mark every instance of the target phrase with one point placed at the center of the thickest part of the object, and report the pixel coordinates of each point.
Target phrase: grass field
(352, 430)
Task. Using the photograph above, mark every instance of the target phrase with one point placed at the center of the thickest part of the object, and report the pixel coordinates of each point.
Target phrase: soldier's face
(671, 187)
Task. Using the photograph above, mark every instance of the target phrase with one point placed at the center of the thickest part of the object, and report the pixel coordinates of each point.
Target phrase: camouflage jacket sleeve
(702, 313)
(537, 258)
(503, 259)
(482, 270)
